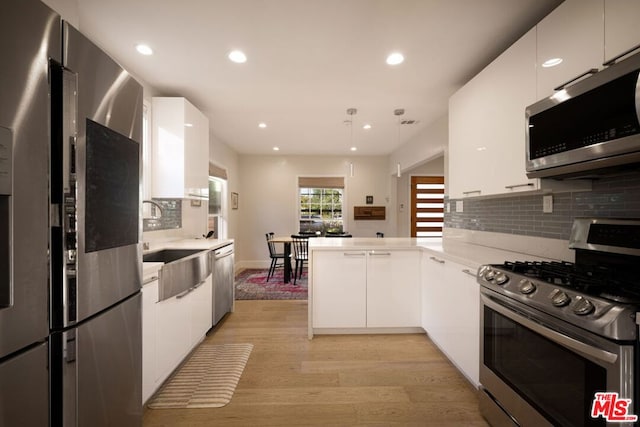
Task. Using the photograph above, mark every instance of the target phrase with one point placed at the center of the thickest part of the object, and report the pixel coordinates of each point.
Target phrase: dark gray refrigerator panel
(29, 35)
(98, 369)
(24, 388)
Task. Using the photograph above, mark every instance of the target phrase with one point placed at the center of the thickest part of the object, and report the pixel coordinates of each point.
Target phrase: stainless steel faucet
(156, 204)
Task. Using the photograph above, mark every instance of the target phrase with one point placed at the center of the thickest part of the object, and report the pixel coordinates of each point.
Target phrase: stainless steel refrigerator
(70, 262)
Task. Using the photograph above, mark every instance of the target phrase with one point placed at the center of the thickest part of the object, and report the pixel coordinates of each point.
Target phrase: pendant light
(398, 112)
(351, 112)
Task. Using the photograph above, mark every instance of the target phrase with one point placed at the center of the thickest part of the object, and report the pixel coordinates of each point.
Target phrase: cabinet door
(574, 32)
(180, 149)
(432, 286)
(462, 302)
(149, 337)
(196, 137)
(487, 125)
(393, 289)
(174, 334)
(621, 29)
(201, 302)
(339, 289)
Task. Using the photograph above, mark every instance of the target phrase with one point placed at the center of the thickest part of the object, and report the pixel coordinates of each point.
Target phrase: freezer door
(97, 369)
(29, 34)
(24, 394)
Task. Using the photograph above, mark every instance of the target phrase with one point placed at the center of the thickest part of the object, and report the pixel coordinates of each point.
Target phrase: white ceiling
(310, 60)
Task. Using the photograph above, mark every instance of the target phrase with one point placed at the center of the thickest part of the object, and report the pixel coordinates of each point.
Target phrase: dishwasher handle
(222, 254)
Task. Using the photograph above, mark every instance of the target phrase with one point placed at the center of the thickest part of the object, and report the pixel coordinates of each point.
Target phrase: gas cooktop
(602, 281)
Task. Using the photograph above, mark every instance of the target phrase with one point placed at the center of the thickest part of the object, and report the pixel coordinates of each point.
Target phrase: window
(427, 206)
(321, 201)
(218, 206)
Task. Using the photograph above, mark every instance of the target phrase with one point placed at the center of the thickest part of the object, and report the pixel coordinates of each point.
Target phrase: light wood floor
(343, 380)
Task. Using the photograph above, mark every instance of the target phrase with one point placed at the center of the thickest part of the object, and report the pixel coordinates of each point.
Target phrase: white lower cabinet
(339, 289)
(393, 289)
(451, 312)
(149, 337)
(366, 288)
(174, 334)
(170, 330)
(201, 301)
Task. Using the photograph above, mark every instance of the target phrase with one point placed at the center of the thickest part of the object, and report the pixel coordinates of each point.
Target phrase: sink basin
(183, 270)
(169, 255)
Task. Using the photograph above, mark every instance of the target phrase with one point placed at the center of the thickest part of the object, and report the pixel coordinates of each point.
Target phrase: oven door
(542, 371)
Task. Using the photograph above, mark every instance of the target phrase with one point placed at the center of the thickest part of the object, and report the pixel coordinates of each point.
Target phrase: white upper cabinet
(487, 125)
(180, 149)
(621, 29)
(573, 32)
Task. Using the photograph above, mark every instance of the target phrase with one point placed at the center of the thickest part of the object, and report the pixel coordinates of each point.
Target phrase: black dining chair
(301, 253)
(274, 255)
(379, 234)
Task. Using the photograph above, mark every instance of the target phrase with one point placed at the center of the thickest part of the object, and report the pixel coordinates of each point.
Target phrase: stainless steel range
(559, 340)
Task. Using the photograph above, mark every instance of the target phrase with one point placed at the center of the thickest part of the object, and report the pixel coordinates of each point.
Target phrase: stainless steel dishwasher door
(223, 281)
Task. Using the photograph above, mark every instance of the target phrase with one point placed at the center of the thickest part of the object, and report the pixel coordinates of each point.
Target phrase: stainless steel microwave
(588, 127)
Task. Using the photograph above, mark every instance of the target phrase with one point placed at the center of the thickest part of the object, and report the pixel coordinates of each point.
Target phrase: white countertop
(204, 244)
(468, 254)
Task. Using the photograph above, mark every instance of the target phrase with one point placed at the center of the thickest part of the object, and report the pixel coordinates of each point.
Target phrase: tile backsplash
(611, 197)
(171, 216)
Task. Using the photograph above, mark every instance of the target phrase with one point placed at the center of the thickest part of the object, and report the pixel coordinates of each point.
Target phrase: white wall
(434, 167)
(225, 157)
(427, 145)
(268, 197)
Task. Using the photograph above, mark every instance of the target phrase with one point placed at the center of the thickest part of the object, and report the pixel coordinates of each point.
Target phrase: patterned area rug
(251, 284)
(207, 380)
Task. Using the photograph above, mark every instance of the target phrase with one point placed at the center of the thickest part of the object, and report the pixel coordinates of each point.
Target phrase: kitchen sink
(169, 255)
(183, 270)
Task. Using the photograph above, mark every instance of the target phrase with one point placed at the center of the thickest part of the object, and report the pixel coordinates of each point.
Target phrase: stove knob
(483, 270)
(583, 306)
(527, 286)
(489, 275)
(559, 298)
(501, 278)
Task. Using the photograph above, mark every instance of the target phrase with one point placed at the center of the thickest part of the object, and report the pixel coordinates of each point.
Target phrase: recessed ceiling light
(481, 148)
(262, 125)
(354, 148)
(367, 126)
(276, 148)
(188, 125)
(551, 62)
(395, 58)
(144, 49)
(237, 56)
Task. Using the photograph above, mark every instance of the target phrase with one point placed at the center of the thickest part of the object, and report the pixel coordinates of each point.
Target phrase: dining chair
(379, 234)
(274, 255)
(301, 253)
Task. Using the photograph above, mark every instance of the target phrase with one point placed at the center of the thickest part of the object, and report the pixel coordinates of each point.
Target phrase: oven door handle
(557, 337)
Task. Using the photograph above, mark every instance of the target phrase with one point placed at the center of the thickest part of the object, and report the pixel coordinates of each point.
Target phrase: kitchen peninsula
(401, 285)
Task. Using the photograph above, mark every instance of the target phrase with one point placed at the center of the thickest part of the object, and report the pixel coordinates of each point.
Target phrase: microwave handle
(586, 73)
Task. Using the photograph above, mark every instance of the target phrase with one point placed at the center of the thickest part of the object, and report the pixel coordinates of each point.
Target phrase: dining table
(286, 240)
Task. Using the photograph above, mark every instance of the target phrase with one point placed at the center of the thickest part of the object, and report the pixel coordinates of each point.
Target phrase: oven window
(112, 189)
(557, 382)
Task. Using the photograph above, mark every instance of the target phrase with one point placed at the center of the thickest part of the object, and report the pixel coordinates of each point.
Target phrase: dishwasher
(222, 263)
